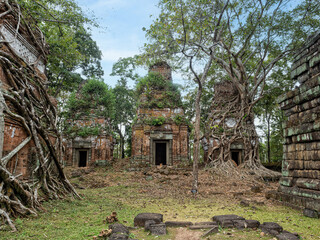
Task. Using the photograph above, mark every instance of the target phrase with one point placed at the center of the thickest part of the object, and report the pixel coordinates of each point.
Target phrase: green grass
(83, 219)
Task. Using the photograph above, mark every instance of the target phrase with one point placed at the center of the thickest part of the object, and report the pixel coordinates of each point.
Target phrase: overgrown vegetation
(159, 92)
(93, 102)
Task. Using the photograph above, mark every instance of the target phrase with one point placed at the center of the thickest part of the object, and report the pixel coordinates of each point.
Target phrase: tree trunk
(268, 139)
(196, 145)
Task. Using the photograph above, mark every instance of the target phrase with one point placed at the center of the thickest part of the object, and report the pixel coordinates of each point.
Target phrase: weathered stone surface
(221, 218)
(145, 136)
(147, 224)
(300, 182)
(141, 218)
(178, 224)
(196, 227)
(252, 223)
(158, 229)
(118, 236)
(206, 223)
(119, 228)
(271, 228)
(310, 213)
(287, 236)
(241, 224)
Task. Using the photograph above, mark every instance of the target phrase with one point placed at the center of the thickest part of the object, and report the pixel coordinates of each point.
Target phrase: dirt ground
(165, 181)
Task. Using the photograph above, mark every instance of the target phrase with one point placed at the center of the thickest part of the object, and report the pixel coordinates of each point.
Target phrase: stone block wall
(300, 182)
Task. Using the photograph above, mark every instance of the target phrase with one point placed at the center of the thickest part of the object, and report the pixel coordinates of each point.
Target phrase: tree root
(27, 102)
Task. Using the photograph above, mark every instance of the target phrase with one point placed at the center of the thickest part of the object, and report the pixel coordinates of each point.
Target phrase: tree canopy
(241, 41)
(73, 53)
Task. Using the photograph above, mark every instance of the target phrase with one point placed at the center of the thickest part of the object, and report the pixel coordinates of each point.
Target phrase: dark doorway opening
(235, 155)
(161, 153)
(83, 158)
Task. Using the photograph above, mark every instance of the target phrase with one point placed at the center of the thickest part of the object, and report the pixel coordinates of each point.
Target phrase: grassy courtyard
(128, 193)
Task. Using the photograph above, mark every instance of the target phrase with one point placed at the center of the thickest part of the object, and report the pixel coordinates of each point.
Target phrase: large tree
(27, 102)
(244, 39)
(125, 69)
(74, 55)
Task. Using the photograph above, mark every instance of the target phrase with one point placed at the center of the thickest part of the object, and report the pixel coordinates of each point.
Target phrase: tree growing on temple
(244, 40)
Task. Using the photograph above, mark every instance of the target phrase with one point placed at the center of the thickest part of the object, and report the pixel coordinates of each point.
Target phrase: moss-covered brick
(314, 60)
(301, 69)
(286, 181)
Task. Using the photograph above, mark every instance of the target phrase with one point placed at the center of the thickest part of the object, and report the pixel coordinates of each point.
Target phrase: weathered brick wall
(100, 148)
(23, 50)
(300, 182)
(144, 136)
(141, 141)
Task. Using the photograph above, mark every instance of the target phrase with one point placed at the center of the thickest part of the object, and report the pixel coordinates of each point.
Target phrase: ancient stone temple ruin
(224, 115)
(160, 132)
(83, 151)
(300, 182)
(88, 136)
(23, 46)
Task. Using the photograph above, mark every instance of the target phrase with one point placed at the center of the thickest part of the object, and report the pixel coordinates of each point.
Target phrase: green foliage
(94, 100)
(156, 121)
(67, 31)
(153, 81)
(160, 93)
(180, 120)
(125, 68)
(94, 96)
(89, 131)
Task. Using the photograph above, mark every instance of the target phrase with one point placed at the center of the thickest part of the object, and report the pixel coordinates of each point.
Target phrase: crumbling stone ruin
(19, 45)
(87, 127)
(30, 142)
(160, 131)
(89, 150)
(300, 182)
(223, 119)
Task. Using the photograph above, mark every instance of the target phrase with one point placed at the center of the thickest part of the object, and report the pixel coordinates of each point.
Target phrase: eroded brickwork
(98, 149)
(23, 50)
(172, 134)
(300, 182)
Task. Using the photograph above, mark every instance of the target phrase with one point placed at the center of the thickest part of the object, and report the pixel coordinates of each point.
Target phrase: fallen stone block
(271, 228)
(310, 213)
(220, 218)
(147, 224)
(226, 224)
(287, 236)
(178, 224)
(119, 228)
(118, 236)
(158, 229)
(141, 218)
(206, 223)
(252, 223)
(197, 227)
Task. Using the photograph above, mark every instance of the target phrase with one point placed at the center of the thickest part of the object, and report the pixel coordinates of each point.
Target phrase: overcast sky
(121, 34)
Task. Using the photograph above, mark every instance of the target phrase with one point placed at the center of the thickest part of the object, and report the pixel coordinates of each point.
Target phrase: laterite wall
(300, 182)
